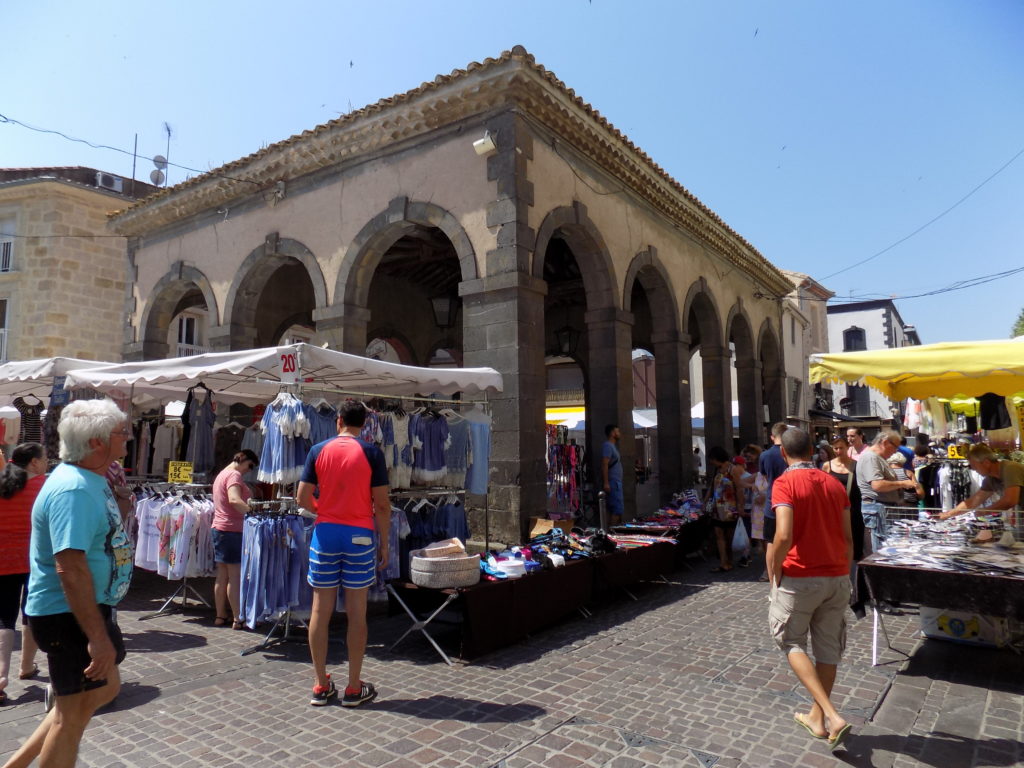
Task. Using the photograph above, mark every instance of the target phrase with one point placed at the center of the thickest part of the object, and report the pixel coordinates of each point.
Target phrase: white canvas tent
(256, 375)
(35, 377)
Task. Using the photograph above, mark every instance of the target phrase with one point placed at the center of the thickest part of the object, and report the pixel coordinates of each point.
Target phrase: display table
(988, 594)
(494, 614)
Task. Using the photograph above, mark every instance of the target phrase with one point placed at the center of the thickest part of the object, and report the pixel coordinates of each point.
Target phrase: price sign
(59, 395)
(289, 368)
(956, 452)
(179, 472)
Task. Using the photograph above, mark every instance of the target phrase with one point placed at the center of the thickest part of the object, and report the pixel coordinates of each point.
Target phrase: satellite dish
(160, 162)
(157, 177)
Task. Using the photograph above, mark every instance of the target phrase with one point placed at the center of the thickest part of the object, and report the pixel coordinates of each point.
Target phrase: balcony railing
(552, 396)
(188, 350)
(867, 409)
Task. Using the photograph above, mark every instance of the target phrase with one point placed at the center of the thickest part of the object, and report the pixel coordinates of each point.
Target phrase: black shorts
(769, 529)
(67, 649)
(13, 591)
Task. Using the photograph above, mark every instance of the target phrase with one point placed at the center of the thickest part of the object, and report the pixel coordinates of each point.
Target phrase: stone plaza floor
(685, 676)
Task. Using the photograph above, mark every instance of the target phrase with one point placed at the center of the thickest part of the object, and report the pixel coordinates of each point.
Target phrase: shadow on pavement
(991, 668)
(942, 750)
(439, 707)
(132, 695)
(152, 640)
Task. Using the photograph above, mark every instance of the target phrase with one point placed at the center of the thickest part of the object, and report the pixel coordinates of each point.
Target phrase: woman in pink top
(20, 482)
(230, 503)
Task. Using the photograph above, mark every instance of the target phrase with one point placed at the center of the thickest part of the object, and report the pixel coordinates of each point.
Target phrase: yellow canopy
(932, 370)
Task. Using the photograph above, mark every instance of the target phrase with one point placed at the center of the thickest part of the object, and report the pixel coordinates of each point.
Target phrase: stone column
(145, 350)
(225, 338)
(503, 328)
(749, 394)
(344, 326)
(610, 392)
(774, 394)
(675, 430)
(717, 397)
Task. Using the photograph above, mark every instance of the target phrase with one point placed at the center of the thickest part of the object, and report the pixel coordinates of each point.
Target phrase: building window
(3, 330)
(854, 340)
(6, 245)
(187, 330)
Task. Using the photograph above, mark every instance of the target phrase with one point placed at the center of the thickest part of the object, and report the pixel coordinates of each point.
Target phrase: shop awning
(932, 370)
(22, 378)
(258, 374)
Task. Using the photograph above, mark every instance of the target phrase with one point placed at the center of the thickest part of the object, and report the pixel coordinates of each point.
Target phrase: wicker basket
(444, 572)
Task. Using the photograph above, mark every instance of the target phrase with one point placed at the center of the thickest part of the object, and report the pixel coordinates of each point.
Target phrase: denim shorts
(342, 555)
(227, 546)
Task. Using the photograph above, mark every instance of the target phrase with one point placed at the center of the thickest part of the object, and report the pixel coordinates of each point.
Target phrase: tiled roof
(236, 168)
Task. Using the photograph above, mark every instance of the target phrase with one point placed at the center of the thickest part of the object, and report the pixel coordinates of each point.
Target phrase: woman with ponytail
(20, 482)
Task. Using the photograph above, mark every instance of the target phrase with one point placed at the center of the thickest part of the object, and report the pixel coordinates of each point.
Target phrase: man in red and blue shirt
(351, 506)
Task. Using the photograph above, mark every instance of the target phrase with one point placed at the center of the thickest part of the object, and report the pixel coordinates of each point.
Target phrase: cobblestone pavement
(684, 676)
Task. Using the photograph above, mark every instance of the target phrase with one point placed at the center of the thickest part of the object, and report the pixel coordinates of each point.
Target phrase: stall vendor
(1001, 477)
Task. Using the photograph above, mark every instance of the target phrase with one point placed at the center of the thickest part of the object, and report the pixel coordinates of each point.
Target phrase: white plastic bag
(740, 541)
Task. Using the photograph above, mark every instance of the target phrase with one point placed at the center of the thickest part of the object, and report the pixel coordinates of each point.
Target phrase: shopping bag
(740, 541)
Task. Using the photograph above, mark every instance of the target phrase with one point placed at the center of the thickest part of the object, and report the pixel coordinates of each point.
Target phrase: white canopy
(256, 375)
(35, 377)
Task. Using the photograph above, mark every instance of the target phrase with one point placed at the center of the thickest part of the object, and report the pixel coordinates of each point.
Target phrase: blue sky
(823, 132)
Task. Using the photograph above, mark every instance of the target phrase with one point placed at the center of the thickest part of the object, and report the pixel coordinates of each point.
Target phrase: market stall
(982, 580)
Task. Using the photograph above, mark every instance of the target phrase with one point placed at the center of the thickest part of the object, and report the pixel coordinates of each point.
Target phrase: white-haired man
(80, 564)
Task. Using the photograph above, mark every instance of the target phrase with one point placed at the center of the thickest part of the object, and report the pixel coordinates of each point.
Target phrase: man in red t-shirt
(810, 571)
(353, 504)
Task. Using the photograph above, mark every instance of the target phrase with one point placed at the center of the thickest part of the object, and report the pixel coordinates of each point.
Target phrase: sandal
(237, 625)
(720, 569)
(30, 674)
(221, 621)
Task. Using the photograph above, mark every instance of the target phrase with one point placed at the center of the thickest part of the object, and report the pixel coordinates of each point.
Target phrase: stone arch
(382, 231)
(769, 354)
(258, 267)
(703, 325)
(748, 374)
(700, 300)
(396, 339)
(587, 245)
(647, 269)
(166, 299)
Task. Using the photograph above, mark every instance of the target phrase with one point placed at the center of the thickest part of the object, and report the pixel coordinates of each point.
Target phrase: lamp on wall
(567, 338)
(444, 311)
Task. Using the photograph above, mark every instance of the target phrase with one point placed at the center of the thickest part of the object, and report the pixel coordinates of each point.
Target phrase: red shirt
(819, 502)
(16, 527)
(344, 469)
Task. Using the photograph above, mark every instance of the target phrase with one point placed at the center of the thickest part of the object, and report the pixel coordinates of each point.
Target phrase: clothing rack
(281, 631)
(169, 606)
(426, 492)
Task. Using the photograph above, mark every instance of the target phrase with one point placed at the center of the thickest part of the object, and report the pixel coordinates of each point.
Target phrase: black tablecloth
(956, 591)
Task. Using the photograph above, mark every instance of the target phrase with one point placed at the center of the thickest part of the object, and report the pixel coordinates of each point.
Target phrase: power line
(6, 119)
(1002, 168)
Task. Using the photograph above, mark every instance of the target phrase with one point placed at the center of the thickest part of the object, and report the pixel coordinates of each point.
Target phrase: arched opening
(414, 289)
(771, 374)
(178, 315)
(710, 370)
(746, 379)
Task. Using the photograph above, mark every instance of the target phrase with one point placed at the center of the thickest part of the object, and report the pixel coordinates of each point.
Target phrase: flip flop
(836, 741)
(800, 721)
(29, 675)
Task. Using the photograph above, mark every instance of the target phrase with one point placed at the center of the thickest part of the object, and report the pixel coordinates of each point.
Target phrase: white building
(867, 325)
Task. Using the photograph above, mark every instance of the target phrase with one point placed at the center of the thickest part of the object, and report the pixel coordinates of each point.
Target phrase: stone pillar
(774, 394)
(717, 397)
(145, 350)
(610, 392)
(749, 395)
(225, 338)
(503, 328)
(344, 326)
(675, 430)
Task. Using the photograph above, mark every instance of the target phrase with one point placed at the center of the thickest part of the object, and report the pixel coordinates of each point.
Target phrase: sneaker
(322, 695)
(366, 693)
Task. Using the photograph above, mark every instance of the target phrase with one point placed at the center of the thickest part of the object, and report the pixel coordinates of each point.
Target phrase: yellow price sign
(179, 472)
(956, 452)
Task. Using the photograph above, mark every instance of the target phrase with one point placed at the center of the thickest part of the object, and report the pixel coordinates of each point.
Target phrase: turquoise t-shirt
(76, 510)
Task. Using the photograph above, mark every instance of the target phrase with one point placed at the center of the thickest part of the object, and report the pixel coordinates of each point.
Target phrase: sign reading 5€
(179, 472)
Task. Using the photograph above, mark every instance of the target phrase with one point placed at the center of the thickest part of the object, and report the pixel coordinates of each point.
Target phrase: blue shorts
(342, 555)
(227, 546)
(614, 500)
